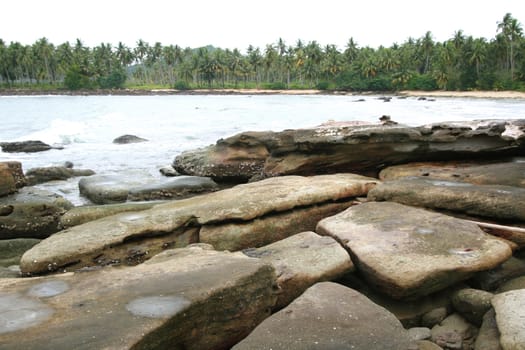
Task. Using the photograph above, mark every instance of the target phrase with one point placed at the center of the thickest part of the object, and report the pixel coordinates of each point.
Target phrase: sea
(85, 126)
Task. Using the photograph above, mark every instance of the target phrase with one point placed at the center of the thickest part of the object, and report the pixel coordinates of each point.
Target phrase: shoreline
(156, 92)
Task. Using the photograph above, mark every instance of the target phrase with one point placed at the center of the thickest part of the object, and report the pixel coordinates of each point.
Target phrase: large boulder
(11, 177)
(329, 316)
(491, 201)
(31, 213)
(363, 149)
(192, 298)
(44, 174)
(134, 237)
(111, 189)
(302, 260)
(507, 174)
(264, 230)
(24, 146)
(409, 252)
(510, 313)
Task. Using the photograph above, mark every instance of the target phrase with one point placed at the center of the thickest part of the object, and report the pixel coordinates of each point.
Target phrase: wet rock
(11, 177)
(302, 260)
(34, 214)
(176, 188)
(409, 252)
(513, 284)
(488, 336)
(45, 174)
(491, 201)
(24, 146)
(82, 214)
(12, 271)
(114, 238)
(125, 139)
(510, 313)
(214, 298)
(329, 316)
(267, 229)
(111, 189)
(363, 149)
(11, 250)
(454, 332)
(472, 304)
(169, 171)
(507, 174)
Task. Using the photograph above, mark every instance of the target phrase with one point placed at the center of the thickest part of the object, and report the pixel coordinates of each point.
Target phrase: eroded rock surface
(11, 178)
(192, 298)
(329, 316)
(410, 252)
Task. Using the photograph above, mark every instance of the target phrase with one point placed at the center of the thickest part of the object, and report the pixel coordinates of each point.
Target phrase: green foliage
(181, 85)
(114, 80)
(424, 82)
(75, 79)
(275, 86)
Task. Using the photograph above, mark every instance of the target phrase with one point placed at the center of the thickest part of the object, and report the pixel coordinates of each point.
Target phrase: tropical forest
(462, 63)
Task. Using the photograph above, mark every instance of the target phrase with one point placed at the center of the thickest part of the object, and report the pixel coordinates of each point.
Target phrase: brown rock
(11, 177)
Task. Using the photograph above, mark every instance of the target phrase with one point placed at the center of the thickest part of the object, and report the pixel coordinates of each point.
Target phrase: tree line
(460, 63)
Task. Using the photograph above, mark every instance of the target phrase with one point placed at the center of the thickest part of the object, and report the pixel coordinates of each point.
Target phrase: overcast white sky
(237, 23)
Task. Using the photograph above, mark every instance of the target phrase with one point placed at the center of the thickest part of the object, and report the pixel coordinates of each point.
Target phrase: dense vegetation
(460, 63)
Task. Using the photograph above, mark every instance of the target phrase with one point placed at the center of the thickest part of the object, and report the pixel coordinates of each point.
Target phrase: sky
(238, 24)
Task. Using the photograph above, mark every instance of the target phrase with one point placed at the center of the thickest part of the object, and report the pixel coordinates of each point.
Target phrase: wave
(60, 131)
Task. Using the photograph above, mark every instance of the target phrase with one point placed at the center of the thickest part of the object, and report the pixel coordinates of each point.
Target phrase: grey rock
(493, 278)
(434, 317)
(510, 313)
(40, 175)
(513, 284)
(176, 188)
(419, 333)
(24, 146)
(488, 336)
(125, 139)
(472, 304)
(454, 332)
(329, 316)
(11, 250)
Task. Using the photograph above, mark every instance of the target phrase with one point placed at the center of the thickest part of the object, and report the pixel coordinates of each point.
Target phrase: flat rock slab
(82, 214)
(269, 228)
(507, 174)
(510, 315)
(409, 252)
(302, 260)
(491, 201)
(45, 174)
(329, 316)
(190, 298)
(31, 213)
(124, 237)
(111, 189)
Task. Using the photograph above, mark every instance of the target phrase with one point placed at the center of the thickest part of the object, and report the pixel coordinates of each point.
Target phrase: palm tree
(478, 54)
(511, 31)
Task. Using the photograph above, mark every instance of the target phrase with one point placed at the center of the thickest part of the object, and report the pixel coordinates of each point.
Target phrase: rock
(488, 336)
(192, 298)
(419, 333)
(363, 149)
(24, 146)
(493, 278)
(82, 214)
(427, 345)
(513, 284)
(434, 317)
(125, 139)
(45, 174)
(507, 174)
(12, 271)
(329, 316)
(111, 189)
(302, 260)
(169, 171)
(11, 177)
(409, 252)
(453, 333)
(124, 237)
(177, 188)
(510, 313)
(33, 213)
(267, 229)
(11, 250)
(491, 201)
(472, 304)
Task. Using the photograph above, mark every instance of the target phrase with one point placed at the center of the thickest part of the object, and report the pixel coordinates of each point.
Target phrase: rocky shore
(345, 236)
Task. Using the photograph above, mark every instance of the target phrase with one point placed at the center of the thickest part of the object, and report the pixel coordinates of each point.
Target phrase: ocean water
(86, 125)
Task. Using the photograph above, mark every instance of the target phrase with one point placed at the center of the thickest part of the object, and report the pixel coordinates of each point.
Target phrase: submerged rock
(130, 238)
(40, 175)
(32, 213)
(409, 252)
(329, 316)
(192, 298)
(125, 139)
(491, 201)
(11, 250)
(363, 149)
(11, 177)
